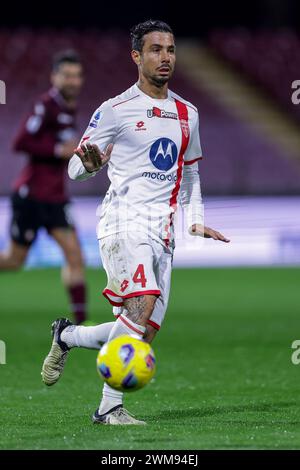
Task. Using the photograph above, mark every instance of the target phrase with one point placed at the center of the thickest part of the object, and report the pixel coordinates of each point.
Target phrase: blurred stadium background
(235, 65)
(236, 62)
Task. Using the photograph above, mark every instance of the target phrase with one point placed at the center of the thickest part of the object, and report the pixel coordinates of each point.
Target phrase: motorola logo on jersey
(163, 154)
(160, 176)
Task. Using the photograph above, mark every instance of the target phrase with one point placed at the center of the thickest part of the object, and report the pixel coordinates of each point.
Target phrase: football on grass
(126, 363)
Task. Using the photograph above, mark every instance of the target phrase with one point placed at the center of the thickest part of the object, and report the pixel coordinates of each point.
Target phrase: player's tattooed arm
(207, 232)
(91, 156)
(140, 308)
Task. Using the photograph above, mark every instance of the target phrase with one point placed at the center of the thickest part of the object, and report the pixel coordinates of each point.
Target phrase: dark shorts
(29, 215)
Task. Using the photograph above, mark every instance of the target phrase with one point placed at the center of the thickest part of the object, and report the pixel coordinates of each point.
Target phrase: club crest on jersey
(96, 119)
(185, 127)
(160, 113)
(163, 154)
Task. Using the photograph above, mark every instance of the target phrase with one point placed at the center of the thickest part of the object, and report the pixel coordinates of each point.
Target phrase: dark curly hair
(138, 32)
(68, 56)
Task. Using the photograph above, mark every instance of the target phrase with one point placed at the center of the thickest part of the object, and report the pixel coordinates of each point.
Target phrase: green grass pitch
(224, 380)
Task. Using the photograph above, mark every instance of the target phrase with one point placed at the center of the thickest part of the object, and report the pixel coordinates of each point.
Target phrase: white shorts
(136, 266)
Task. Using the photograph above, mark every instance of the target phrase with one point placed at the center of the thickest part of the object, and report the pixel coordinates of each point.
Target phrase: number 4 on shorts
(139, 276)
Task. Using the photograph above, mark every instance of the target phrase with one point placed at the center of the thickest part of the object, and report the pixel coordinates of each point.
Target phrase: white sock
(90, 337)
(123, 326)
(110, 399)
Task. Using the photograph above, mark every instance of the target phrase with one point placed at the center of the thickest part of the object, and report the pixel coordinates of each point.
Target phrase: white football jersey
(153, 139)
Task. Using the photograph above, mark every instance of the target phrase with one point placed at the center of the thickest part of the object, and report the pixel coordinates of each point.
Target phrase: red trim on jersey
(112, 302)
(84, 139)
(182, 115)
(128, 296)
(117, 104)
(155, 325)
(142, 292)
(190, 162)
(130, 326)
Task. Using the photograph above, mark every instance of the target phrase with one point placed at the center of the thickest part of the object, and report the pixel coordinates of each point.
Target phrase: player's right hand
(91, 156)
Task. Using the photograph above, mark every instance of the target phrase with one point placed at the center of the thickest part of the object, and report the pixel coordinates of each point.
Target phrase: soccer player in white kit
(149, 138)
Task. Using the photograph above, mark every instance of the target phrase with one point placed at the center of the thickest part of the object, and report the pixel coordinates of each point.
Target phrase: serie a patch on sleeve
(96, 118)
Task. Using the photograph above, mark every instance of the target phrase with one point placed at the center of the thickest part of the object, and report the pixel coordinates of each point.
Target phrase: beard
(159, 81)
(70, 93)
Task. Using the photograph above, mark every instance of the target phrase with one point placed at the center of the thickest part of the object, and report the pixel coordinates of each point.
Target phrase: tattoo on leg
(136, 307)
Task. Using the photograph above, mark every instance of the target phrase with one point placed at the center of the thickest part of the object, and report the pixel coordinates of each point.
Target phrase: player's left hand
(207, 232)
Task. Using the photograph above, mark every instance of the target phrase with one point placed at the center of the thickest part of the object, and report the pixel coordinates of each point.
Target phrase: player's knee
(76, 266)
(140, 308)
(18, 264)
(72, 275)
(74, 260)
(14, 258)
(13, 264)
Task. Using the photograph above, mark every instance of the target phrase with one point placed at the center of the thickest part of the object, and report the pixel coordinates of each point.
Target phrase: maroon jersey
(50, 122)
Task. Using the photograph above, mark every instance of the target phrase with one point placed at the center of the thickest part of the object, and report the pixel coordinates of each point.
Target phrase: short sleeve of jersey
(102, 128)
(193, 151)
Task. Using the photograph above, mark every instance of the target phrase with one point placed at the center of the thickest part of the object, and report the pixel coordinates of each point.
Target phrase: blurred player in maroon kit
(48, 136)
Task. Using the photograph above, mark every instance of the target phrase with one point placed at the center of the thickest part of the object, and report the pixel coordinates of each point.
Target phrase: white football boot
(116, 416)
(55, 360)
